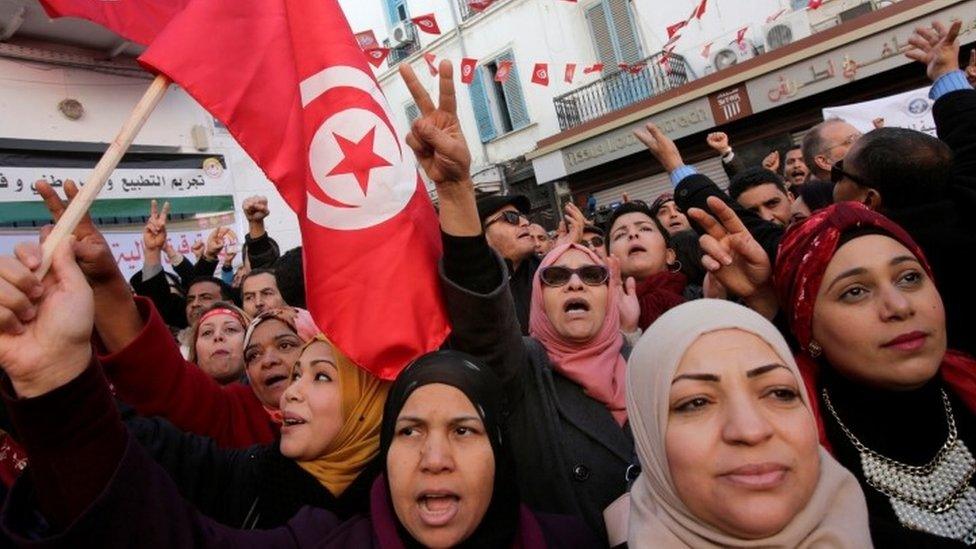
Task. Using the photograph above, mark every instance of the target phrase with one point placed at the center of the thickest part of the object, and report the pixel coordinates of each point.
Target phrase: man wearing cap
(507, 231)
(668, 215)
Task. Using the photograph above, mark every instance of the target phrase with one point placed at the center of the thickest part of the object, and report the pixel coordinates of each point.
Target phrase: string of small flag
(540, 73)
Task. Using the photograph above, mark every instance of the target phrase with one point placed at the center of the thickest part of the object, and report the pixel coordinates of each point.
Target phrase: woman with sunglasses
(565, 383)
(644, 250)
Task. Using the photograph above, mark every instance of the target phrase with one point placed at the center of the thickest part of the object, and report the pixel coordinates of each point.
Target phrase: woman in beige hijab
(727, 441)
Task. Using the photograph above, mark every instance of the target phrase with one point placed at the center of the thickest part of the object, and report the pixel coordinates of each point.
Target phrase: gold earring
(814, 349)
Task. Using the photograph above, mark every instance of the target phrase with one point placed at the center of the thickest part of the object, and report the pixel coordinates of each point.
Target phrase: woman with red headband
(218, 342)
(895, 405)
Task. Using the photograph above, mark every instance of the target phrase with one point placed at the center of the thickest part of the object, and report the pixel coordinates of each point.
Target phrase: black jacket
(251, 488)
(944, 227)
(520, 283)
(571, 455)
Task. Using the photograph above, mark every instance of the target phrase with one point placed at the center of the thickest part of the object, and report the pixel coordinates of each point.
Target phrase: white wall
(29, 97)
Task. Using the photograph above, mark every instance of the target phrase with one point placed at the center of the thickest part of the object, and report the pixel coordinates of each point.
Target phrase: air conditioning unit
(733, 54)
(855, 12)
(402, 34)
(787, 29)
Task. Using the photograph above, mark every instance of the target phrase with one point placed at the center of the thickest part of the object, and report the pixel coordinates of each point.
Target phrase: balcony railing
(620, 89)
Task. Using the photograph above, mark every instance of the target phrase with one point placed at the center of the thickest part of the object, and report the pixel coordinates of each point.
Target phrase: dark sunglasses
(837, 173)
(591, 275)
(593, 243)
(510, 217)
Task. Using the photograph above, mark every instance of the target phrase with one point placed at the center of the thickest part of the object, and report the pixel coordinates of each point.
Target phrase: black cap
(490, 204)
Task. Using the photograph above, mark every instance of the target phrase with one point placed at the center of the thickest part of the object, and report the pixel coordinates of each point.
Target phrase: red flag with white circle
(540, 74)
(298, 95)
(427, 23)
(468, 66)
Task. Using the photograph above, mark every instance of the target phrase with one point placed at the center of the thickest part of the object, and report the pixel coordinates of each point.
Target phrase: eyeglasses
(848, 141)
(508, 216)
(837, 173)
(591, 275)
(593, 243)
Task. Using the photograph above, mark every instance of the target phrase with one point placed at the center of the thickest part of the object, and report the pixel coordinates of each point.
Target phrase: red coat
(658, 294)
(152, 376)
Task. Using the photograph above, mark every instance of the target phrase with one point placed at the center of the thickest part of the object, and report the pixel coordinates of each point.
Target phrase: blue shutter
(479, 101)
(517, 110)
(391, 11)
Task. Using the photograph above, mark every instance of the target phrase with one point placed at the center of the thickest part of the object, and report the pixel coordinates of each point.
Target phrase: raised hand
(436, 137)
(570, 229)
(718, 141)
(256, 208)
(878, 123)
(936, 48)
(732, 255)
(94, 256)
(661, 146)
(771, 162)
(154, 233)
(628, 305)
(198, 248)
(215, 243)
(48, 342)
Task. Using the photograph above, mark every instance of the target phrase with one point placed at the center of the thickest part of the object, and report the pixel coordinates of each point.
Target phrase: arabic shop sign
(676, 123)
(138, 175)
(867, 57)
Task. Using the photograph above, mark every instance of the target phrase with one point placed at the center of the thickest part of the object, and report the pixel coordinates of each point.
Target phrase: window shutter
(602, 40)
(517, 110)
(628, 45)
(391, 11)
(413, 113)
(479, 102)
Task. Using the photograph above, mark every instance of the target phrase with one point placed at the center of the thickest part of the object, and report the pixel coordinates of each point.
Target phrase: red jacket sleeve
(152, 376)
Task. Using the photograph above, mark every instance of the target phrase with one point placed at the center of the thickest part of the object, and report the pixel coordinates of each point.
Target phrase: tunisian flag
(291, 84)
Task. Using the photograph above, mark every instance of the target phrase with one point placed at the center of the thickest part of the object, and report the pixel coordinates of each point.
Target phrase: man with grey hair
(826, 143)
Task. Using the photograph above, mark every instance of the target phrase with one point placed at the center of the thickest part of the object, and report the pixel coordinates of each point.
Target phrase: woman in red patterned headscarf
(895, 405)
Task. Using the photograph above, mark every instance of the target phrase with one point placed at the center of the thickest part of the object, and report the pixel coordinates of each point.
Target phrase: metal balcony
(620, 89)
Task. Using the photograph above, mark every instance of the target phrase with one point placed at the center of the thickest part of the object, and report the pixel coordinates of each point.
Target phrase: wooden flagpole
(106, 165)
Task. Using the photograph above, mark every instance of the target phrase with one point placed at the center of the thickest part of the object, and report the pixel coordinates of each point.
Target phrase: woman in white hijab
(727, 440)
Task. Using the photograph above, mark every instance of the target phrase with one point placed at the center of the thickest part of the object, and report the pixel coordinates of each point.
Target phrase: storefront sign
(860, 59)
(677, 123)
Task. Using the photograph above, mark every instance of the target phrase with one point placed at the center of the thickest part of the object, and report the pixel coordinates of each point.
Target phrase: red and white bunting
(632, 68)
(673, 29)
(776, 15)
(540, 74)
(376, 56)
(741, 35)
(430, 59)
(468, 66)
(814, 4)
(570, 73)
(504, 69)
(480, 6)
(670, 43)
(595, 67)
(706, 49)
(426, 23)
(700, 10)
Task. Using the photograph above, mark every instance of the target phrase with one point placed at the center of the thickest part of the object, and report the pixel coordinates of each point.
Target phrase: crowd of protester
(787, 363)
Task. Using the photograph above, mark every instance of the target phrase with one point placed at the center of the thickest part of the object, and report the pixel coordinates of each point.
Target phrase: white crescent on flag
(355, 157)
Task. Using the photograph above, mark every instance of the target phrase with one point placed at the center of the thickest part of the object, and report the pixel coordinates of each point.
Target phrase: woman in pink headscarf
(566, 382)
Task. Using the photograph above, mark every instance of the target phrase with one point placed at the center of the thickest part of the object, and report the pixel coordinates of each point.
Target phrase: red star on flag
(359, 158)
